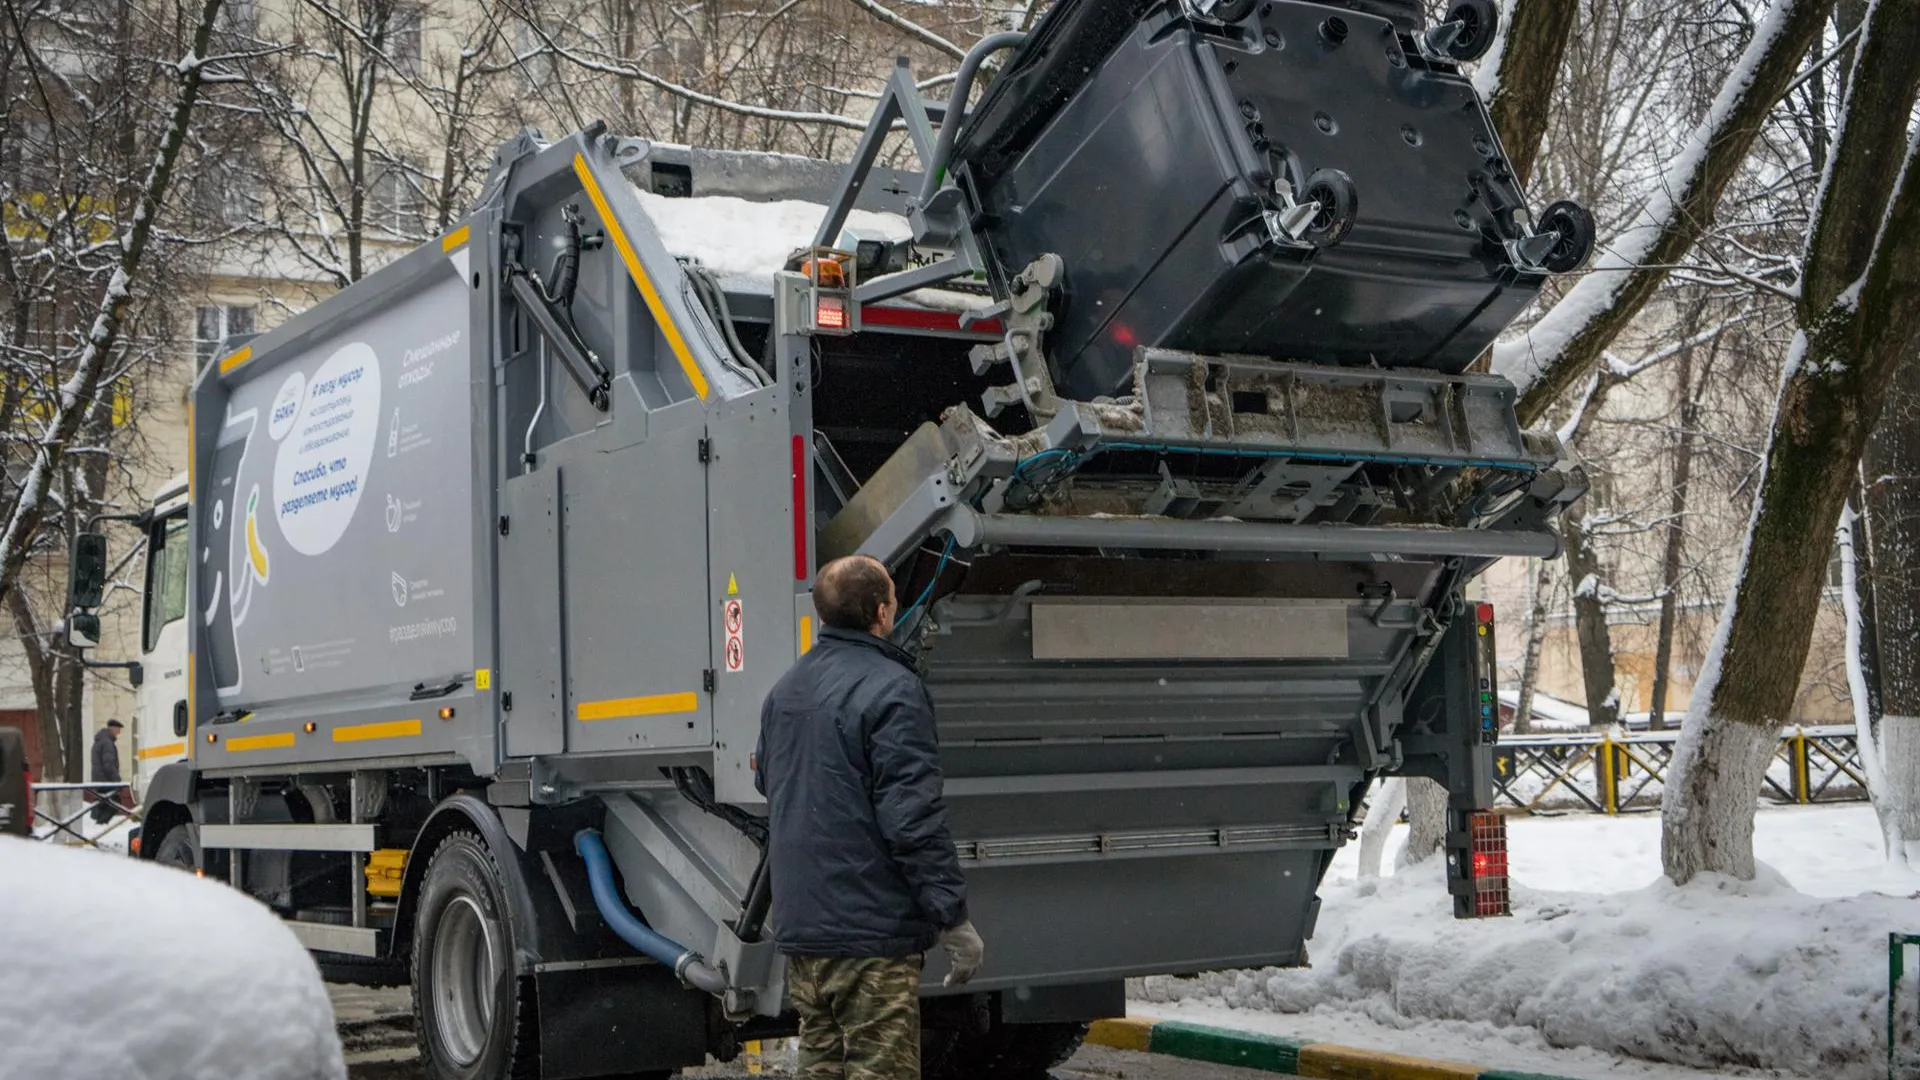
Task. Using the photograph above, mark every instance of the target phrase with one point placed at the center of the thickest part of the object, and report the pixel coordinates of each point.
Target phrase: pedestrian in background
(865, 876)
(106, 769)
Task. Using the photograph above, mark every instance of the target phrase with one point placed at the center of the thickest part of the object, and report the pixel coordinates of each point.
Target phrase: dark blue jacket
(862, 862)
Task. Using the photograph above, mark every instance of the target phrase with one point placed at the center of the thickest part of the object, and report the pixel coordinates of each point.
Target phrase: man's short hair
(848, 592)
(115, 723)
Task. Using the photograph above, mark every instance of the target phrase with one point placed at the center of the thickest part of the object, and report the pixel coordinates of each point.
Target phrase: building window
(403, 44)
(395, 205)
(214, 324)
(239, 16)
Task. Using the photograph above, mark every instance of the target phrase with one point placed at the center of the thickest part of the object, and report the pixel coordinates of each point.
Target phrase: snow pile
(1715, 973)
(750, 239)
(140, 971)
(738, 238)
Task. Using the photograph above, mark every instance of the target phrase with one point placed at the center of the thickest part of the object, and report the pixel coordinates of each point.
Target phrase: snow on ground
(137, 971)
(1787, 973)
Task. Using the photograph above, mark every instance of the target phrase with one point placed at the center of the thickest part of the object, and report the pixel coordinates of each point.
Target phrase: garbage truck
(1153, 386)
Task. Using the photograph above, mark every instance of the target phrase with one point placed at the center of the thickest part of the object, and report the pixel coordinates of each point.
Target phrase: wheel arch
(167, 805)
(465, 812)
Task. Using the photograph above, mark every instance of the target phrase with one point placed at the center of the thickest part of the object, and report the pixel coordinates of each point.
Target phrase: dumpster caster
(1473, 23)
(1336, 202)
(1572, 226)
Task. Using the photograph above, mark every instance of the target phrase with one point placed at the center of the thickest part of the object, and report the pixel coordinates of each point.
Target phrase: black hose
(713, 297)
(753, 913)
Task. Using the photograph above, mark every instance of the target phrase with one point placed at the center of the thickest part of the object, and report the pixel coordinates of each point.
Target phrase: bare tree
(1858, 309)
(1552, 356)
(99, 105)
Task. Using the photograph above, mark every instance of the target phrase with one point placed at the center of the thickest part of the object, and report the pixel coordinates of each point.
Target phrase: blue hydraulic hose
(689, 966)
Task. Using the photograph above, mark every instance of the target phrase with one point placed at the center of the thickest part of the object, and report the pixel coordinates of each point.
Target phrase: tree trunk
(1520, 74)
(1856, 597)
(1426, 820)
(1389, 799)
(1590, 619)
(1890, 582)
(1859, 317)
(1676, 542)
(1539, 601)
(1558, 351)
(83, 387)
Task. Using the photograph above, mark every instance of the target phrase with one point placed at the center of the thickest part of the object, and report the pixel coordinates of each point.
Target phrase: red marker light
(1485, 613)
(831, 313)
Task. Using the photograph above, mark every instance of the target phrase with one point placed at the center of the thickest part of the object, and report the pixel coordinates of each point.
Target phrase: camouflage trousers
(859, 1017)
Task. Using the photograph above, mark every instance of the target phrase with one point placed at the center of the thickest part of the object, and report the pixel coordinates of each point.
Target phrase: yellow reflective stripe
(235, 359)
(456, 239)
(385, 729)
(171, 749)
(806, 633)
(261, 742)
(654, 705)
(640, 279)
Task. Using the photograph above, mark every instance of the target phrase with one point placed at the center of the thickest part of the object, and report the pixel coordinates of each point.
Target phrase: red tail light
(1488, 837)
(831, 313)
(1485, 613)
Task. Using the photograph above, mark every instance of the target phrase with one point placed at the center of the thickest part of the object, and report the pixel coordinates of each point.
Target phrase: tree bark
(1426, 820)
(1539, 601)
(1524, 71)
(1389, 799)
(1859, 316)
(1890, 582)
(1675, 542)
(1551, 358)
(1590, 618)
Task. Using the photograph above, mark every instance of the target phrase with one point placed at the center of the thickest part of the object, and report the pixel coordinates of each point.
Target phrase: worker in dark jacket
(865, 877)
(106, 769)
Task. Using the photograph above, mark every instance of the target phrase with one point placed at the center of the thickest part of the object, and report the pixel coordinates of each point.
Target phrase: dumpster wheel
(1336, 200)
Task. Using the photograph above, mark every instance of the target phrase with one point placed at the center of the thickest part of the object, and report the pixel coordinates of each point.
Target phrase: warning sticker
(734, 616)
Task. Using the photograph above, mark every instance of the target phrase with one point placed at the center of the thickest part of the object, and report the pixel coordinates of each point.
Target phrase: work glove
(965, 952)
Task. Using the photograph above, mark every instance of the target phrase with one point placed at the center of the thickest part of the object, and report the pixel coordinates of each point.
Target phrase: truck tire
(1002, 1052)
(473, 1016)
(179, 848)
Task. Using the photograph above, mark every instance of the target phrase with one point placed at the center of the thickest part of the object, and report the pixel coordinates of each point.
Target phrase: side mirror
(83, 630)
(87, 573)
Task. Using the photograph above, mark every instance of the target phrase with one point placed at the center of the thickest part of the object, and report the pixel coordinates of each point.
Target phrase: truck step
(330, 837)
(326, 937)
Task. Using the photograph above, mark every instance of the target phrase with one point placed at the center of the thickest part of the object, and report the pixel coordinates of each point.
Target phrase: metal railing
(63, 819)
(1607, 773)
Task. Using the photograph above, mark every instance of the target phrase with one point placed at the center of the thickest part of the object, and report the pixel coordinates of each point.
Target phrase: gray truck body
(1170, 639)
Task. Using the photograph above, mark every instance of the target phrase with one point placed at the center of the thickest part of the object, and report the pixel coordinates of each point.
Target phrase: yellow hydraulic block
(384, 870)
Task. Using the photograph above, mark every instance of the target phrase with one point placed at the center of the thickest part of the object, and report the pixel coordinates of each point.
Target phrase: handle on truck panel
(689, 966)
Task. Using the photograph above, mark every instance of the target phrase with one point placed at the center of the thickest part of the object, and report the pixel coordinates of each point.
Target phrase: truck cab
(160, 710)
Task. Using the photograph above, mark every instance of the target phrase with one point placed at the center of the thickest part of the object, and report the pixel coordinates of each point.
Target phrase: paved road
(377, 1028)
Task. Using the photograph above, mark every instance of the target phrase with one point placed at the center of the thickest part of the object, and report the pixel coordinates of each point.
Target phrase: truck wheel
(1002, 1052)
(474, 1018)
(179, 849)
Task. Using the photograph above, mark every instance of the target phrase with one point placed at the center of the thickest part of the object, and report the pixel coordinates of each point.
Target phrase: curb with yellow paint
(1279, 1054)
